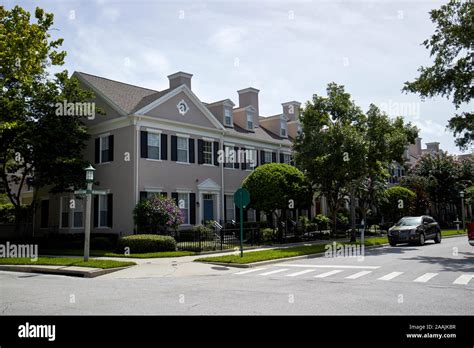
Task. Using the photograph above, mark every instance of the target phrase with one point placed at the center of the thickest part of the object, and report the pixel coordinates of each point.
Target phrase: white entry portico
(209, 200)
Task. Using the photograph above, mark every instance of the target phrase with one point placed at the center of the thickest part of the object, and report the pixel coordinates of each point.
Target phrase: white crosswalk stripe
(463, 279)
(250, 271)
(273, 272)
(390, 276)
(327, 274)
(300, 273)
(425, 277)
(358, 274)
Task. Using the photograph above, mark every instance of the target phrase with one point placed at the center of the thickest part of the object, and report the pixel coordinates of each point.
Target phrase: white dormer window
(227, 117)
(249, 120)
(283, 128)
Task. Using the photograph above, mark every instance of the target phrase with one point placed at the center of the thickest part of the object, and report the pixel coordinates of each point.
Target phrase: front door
(208, 207)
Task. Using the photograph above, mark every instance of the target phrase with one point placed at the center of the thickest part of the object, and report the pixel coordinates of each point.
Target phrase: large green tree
(35, 143)
(345, 152)
(276, 187)
(452, 73)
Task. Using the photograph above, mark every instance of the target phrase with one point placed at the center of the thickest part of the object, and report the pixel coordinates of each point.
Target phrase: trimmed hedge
(146, 243)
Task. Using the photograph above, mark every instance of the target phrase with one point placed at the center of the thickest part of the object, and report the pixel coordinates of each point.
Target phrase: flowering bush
(157, 215)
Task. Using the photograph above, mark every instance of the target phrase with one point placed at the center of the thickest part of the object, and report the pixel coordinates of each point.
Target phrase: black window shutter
(257, 215)
(96, 211)
(174, 148)
(200, 151)
(274, 157)
(97, 150)
(244, 159)
(191, 151)
(144, 144)
(282, 160)
(174, 195)
(143, 195)
(216, 153)
(44, 213)
(236, 157)
(192, 211)
(111, 148)
(257, 153)
(110, 209)
(262, 157)
(164, 146)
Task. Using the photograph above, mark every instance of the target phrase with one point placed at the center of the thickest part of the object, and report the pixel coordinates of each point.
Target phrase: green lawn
(63, 261)
(445, 233)
(98, 253)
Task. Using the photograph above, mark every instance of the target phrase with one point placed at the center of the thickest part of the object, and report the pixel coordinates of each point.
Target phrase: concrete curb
(60, 271)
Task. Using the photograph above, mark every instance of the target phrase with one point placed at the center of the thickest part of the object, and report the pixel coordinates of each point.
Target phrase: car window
(409, 221)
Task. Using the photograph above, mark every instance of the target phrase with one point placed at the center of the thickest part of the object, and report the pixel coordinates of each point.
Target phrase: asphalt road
(434, 279)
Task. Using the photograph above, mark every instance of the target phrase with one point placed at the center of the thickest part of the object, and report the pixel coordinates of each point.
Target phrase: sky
(289, 50)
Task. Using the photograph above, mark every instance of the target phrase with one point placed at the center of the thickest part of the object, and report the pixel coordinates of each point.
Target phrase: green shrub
(146, 243)
(267, 234)
(204, 232)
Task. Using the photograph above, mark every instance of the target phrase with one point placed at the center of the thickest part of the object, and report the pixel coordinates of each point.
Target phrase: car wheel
(438, 237)
(421, 239)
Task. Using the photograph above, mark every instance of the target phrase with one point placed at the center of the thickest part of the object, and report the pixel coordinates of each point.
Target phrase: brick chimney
(249, 96)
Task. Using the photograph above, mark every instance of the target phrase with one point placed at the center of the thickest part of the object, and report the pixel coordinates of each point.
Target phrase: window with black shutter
(44, 223)
(174, 148)
(110, 209)
(164, 146)
(200, 151)
(216, 153)
(262, 156)
(191, 151)
(243, 158)
(274, 157)
(144, 144)
(192, 206)
(236, 157)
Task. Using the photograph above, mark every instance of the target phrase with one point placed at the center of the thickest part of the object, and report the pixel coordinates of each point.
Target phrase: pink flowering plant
(157, 215)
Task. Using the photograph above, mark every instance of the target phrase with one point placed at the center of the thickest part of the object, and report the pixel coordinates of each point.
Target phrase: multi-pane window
(251, 158)
(249, 120)
(64, 212)
(183, 149)
(227, 117)
(103, 211)
(153, 145)
(268, 157)
(207, 152)
(286, 158)
(104, 149)
(229, 157)
(283, 128)
(78, 214)
(229, 207)
(251, 215)
(183, 204)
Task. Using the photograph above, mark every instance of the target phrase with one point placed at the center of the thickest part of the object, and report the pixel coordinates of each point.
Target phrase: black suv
(414, 229)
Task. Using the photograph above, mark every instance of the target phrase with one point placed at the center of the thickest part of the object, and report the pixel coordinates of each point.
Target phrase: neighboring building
(167, 142)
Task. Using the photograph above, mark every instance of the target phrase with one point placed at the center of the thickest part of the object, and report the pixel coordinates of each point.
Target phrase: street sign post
(241, 200)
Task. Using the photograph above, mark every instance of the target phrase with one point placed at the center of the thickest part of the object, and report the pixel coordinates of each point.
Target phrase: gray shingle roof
(125, 96)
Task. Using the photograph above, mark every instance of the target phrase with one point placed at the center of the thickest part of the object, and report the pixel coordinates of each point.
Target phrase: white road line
(390, 276)
(358, 274)
(463, 279)
(425, 277)
(327, 274)
(250, 271)
(273, 272)
(329, 266)
(300, 273)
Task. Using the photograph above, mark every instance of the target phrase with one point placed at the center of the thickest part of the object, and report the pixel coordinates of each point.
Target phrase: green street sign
(241, 198)
(80, 192)
(99, 192)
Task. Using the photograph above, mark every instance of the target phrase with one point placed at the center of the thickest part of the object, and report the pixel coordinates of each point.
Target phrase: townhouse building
(171, 143)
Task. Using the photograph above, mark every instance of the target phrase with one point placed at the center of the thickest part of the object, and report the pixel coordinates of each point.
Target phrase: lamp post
(461, 194)
(87, 228)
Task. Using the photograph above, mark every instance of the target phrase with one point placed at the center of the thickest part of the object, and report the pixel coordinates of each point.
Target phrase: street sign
(88, 192)
(80, 192)
(241, 200)
(99, 192)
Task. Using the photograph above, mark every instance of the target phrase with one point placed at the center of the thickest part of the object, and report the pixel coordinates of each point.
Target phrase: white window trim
(228, 116)
(187, 193)
(98, 211)
(100, 147)
(251, 120)
(70, 225)
(159, 147)
(207, 140)
(232, 146)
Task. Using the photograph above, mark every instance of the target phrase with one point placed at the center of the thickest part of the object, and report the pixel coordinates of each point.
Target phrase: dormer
(294, 128)
(277, 124)
(223, 111)
(249, 97)
(245, 117)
